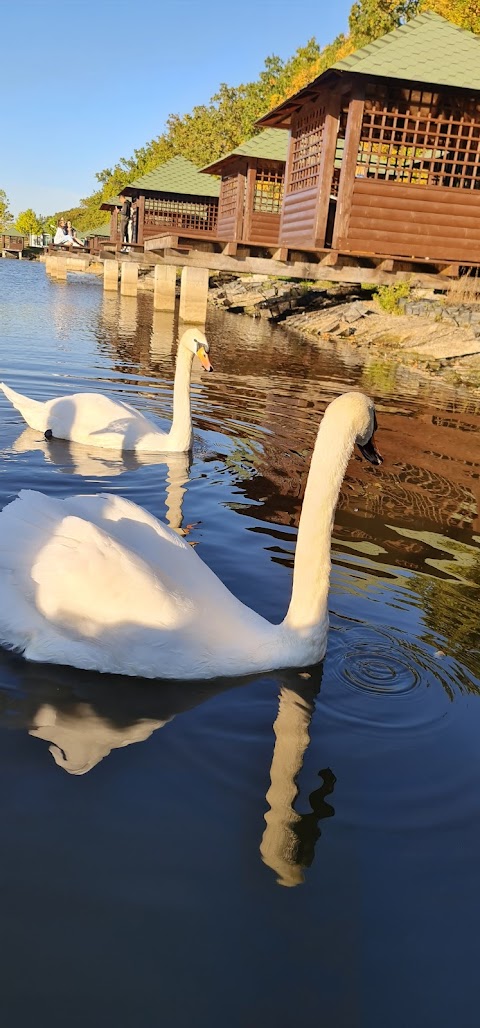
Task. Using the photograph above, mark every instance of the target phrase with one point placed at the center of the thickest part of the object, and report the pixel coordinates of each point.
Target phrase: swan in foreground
(97, 582)
(96, 420)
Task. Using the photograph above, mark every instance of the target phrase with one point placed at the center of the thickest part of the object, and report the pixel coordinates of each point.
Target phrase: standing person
(124, 219)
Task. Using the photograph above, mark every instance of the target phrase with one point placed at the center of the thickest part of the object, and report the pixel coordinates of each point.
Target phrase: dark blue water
(281, 851)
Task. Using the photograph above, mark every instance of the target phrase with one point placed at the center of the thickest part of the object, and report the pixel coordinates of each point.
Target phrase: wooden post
(249, 195)
(164, 287)
(110, 275)
(140, 218)
(129, 278)
(330, 132)
(193, 295)
(349, 164)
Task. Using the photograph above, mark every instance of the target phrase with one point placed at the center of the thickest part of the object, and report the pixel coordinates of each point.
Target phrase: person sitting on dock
(62, 236)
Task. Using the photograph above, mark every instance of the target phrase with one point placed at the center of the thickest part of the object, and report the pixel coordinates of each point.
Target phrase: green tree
(464, 13)
(6, 216)
(28, 222)
(370, 19)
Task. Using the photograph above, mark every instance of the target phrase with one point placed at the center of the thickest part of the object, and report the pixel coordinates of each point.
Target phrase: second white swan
(97, 582)
(97, 420)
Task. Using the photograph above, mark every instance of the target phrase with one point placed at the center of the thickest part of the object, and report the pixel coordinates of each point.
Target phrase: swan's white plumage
(98, 421)
(97, 582)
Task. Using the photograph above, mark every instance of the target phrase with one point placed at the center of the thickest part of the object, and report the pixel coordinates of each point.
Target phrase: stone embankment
(431, 332)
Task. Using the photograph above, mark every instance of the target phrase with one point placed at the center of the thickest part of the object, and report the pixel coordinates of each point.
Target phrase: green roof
(271, 144)
(104, 230)
(107, 205)
(176, 176)
(9, 230)
(427, 49)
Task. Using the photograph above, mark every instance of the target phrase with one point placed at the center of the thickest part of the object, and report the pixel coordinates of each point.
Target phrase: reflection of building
(406, 111)
(251, 190)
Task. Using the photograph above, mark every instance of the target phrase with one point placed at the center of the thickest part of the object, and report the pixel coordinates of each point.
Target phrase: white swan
(97, 420)
(97, 582)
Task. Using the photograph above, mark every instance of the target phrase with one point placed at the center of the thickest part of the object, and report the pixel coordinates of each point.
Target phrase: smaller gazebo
(11, 241)
(251, 190)
(173, 199)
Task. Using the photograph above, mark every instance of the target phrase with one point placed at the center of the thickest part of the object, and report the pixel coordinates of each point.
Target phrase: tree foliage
(464, 13)
(28, 222)
(370, 19)
(6, 216)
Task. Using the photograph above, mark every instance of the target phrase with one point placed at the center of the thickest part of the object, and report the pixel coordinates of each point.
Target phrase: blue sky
(85, 82)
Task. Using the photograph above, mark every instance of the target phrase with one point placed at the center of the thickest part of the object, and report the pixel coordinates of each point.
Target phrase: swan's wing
(97, 419)
(73, 572)
(87, 582)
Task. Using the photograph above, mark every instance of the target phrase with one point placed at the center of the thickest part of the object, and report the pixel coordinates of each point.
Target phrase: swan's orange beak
(204, 359)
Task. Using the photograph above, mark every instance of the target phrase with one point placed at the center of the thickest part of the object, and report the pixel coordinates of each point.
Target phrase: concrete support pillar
(50, 264)
(193, 295)
(60, 271)
(110, 275)
(164, 287)
(20, 255)
(129, 280)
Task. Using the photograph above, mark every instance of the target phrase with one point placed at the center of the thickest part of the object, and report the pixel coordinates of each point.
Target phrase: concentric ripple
(382, 670)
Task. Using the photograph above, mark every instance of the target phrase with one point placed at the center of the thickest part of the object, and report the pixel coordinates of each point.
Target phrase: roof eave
(280, 117)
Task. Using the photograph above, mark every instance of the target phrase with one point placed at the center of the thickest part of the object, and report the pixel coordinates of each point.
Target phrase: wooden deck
(322, 265)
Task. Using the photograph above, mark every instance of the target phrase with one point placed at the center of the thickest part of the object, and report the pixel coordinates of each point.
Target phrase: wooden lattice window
(307, 139)
(268, 190)
(184, 215)
(228, 196)
(421, 137)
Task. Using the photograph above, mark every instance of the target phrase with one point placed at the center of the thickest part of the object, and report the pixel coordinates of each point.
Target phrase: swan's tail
(32, 411)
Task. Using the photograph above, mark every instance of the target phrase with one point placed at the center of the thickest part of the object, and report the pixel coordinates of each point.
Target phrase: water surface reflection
(152, 879)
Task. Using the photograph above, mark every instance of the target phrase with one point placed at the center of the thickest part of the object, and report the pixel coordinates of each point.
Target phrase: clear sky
(85, 82)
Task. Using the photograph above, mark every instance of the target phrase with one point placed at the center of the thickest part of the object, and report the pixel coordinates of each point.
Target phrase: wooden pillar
(164, 287)
(129, 278)
(193, 295)
(349, 164)
(110, 275)
(249, 195)
(329, 146)
(140, 218)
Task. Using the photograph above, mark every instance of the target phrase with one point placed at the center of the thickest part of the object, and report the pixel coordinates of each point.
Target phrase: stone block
(110, 275)
(164, 288)
(129, 278)
(193, 295)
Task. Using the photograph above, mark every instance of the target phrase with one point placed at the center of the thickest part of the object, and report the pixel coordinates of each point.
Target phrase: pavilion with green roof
(173, 199)
(251, 190)
(384, 151)
(11, 240)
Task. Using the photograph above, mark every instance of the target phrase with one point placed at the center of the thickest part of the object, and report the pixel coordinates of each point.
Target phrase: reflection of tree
(450, 605)
(289, 839)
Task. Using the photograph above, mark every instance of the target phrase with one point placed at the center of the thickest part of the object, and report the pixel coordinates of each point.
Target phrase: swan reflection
(84, 720)
(289, 839)
(78, 459)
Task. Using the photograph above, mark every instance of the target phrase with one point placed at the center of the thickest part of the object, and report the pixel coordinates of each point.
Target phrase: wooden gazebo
(251, 191)
(174, 199)
(384, 151)
(11, 241)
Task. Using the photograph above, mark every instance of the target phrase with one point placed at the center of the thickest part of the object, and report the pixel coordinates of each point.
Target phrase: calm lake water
(274, 852)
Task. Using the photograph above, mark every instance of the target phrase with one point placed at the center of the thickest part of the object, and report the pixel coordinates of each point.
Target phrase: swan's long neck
(309, 603)
(180, 435)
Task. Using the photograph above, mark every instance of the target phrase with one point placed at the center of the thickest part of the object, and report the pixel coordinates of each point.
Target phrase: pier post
(129, 278)
(50, 265)
(60, 267)
(164, 287)
(193, 295)
(110, 274)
